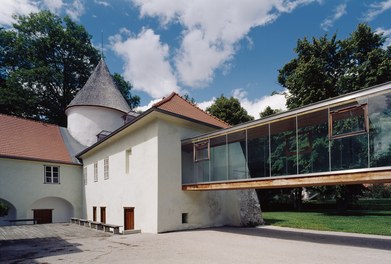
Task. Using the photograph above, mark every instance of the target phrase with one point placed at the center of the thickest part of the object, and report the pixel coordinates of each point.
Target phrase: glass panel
(349, 153)
(48, 179)
(218, 158)
(283, 147)
(201, 150)
(201, 171)
(258, 151)
(237, 155)
(55, 169)
(313, 142)
(380, 127)
(55, 179)
(187, 164)
(348, 121)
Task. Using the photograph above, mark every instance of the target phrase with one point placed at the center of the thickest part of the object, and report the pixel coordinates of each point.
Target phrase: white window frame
(51, 174)
(106, 168)
(95, 171)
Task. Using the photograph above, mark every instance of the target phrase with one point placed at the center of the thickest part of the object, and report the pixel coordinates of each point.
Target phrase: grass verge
(364, 222)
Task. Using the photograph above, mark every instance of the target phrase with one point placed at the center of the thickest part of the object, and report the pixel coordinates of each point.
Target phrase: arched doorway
(11, 213)
(52, 210)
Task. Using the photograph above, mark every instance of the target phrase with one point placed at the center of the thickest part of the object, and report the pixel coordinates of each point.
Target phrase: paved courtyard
(70, 243)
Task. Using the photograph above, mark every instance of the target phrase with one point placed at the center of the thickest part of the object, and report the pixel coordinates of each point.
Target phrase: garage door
(43, 216)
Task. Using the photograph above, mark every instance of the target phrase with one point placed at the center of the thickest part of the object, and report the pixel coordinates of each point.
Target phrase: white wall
(85, 122)
(22, 185)
(204, 209)
(153, 186)
(137, 189)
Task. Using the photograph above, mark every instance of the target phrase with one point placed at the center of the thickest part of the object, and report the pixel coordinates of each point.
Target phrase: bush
(3, 209)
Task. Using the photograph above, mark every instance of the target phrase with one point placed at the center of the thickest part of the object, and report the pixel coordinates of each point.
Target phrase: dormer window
(102, 134)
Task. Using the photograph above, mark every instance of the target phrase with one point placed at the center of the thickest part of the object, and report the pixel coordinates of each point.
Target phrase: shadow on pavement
(302, 235)
(20, 250)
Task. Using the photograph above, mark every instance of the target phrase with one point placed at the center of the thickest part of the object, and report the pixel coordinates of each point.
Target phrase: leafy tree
(189, 99)
(229, 110)
(327, 67)
(268, 112)
(125, 89)
(44, 61)
(3, 209)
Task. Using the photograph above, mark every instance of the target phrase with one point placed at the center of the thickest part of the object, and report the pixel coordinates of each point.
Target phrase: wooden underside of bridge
(379, 176)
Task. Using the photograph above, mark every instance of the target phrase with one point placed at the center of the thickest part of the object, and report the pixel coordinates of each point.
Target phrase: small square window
(52, 174)
(185, 218)
(348, 121)
(201, 151)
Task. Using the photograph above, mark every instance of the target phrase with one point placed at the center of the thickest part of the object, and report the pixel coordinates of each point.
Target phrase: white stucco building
(130, 177)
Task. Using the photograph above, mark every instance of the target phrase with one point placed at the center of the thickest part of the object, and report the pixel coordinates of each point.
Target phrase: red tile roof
(27, 139)
(180, 106)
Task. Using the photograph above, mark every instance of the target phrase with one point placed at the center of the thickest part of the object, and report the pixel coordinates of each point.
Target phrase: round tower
(98, 106)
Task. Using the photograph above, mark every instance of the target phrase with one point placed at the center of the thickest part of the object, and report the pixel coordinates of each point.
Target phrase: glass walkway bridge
(344, 140)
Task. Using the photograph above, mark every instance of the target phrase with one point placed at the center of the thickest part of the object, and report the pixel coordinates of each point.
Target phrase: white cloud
(255, 106)
(252, 106)
(387, 34)
(149, 105)
(102, 3)
(24, 7)
(146, 62)
(209, 43)
(339, 11)
(15, 7)
(75, 10)
(205, 104)
(53, 5)
(377, 9)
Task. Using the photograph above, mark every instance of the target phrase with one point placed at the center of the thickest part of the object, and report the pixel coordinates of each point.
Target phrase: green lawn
(364, 222)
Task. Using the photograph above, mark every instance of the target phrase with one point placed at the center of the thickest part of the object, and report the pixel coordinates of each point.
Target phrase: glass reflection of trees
(350, 136)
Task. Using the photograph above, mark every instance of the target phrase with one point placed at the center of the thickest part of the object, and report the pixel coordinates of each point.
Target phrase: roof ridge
(168, 98)
(30, 120)
(165, 99)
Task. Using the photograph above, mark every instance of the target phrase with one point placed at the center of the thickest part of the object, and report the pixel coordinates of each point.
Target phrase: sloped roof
(101, 90)
(176, 104)
(172, 105)
(26, 139)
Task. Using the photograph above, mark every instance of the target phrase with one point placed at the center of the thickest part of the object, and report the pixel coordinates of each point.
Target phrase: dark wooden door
(94, 213)
(129, 218)
(103, 215)
(43, 216)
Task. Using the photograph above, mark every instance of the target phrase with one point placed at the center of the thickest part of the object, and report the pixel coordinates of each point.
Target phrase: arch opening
(61, 209)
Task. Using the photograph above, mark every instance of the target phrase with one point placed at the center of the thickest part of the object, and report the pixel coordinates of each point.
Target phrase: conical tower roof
(100, 90)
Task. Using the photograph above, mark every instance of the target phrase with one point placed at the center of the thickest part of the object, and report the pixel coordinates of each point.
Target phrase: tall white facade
(145, 174)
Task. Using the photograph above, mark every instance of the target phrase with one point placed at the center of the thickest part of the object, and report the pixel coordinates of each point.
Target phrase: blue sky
(206, 48)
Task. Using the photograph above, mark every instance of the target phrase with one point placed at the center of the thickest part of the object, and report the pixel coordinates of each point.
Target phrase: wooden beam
(292, 182)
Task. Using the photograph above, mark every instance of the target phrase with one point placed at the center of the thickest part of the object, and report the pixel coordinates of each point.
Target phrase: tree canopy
(44, 61)
(268, 112)
(229, 110)
(327, 67)
(125, 88)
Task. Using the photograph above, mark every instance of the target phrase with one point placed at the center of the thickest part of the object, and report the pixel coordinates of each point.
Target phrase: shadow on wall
(11, 213)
